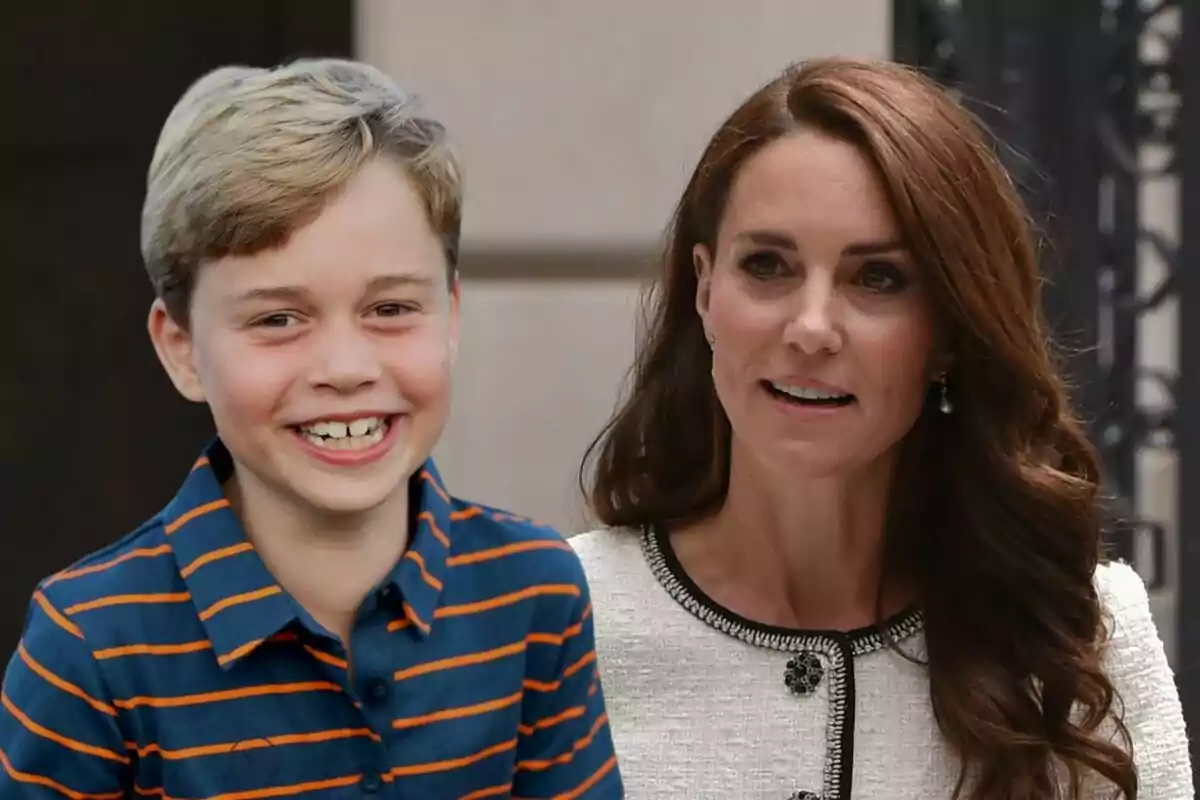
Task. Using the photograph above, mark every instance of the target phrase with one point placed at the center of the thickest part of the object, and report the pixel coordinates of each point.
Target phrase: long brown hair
(1000, 514)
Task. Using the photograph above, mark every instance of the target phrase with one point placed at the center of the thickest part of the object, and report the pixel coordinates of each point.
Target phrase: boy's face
(326, 363)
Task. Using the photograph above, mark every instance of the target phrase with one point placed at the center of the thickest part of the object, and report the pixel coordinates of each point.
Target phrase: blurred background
(579, 123)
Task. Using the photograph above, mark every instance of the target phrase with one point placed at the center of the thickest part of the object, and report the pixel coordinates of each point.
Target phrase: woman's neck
(796, 552)
(328, 563)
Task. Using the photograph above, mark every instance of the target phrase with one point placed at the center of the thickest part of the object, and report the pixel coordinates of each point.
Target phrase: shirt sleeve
(565, 747)
(1136, 663)
(59, 735)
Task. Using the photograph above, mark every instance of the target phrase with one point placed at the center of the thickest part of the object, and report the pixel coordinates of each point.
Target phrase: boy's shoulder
(483, 533)
(140, 562)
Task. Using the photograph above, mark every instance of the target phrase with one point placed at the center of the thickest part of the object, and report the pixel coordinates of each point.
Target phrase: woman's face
(821, 327)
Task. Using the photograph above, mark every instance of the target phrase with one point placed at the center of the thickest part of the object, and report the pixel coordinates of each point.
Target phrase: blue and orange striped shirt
(173, 666)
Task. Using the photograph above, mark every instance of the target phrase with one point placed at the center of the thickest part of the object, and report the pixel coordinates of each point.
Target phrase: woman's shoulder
(1136, 663)
(1121, 588)
(616, 567)
(1131, 633)
(605, 547)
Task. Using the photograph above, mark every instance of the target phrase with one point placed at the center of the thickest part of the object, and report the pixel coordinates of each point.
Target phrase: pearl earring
(945, 406)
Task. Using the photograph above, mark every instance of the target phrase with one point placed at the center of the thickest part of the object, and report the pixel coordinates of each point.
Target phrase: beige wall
(578, 122)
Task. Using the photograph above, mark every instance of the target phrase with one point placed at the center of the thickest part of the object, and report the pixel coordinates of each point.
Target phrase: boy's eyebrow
(398, 280)
(272, 293)
(294, 293)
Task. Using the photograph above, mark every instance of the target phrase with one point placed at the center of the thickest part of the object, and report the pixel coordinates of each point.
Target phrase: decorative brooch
(803, 674)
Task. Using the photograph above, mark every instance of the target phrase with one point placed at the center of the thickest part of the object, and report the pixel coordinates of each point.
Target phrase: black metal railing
(1087, 98)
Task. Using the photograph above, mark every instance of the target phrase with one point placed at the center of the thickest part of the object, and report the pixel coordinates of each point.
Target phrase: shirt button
(370, 783)
(377, 690)
(387, 592)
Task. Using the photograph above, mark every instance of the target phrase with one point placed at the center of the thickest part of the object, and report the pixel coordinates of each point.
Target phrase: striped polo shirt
(172, 665)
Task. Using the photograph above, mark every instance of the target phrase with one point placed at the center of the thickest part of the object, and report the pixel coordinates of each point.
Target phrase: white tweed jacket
(706, 705)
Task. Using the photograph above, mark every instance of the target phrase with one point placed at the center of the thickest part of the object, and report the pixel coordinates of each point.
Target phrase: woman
(853, 543)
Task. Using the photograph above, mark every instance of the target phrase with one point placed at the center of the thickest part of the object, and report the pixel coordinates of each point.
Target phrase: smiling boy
(312, 615)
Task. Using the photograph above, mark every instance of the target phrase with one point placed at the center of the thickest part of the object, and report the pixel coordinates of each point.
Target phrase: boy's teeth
(339, 435)
(346, 442)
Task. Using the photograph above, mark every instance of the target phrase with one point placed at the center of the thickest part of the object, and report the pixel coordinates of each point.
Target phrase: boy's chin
(333, 493)
(346, 498)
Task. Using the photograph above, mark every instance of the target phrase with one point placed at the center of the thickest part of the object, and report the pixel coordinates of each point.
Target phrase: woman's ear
(941, 364)
(702, 261)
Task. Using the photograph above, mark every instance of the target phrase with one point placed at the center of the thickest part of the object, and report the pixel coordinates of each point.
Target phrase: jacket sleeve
(1136, 663)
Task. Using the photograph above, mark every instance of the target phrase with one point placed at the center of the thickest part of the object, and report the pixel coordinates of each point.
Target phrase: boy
(312, 615)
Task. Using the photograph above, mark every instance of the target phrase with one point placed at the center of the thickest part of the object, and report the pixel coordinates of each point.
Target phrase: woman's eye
(764, 265)
(882, 277)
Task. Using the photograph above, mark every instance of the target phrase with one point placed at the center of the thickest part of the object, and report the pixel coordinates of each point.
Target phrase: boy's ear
(454, 315)
(173, 344)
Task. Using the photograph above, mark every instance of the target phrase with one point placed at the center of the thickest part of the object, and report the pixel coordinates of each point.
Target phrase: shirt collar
(240, 603)
(421, 574)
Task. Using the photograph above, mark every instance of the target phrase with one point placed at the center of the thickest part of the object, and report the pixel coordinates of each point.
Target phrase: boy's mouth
(345, 434)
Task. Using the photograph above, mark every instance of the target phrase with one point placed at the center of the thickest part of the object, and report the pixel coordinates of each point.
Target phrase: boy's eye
(277, 320)
(392, 309)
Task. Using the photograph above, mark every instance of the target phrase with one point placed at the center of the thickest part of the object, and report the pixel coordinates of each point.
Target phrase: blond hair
(248, 156)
